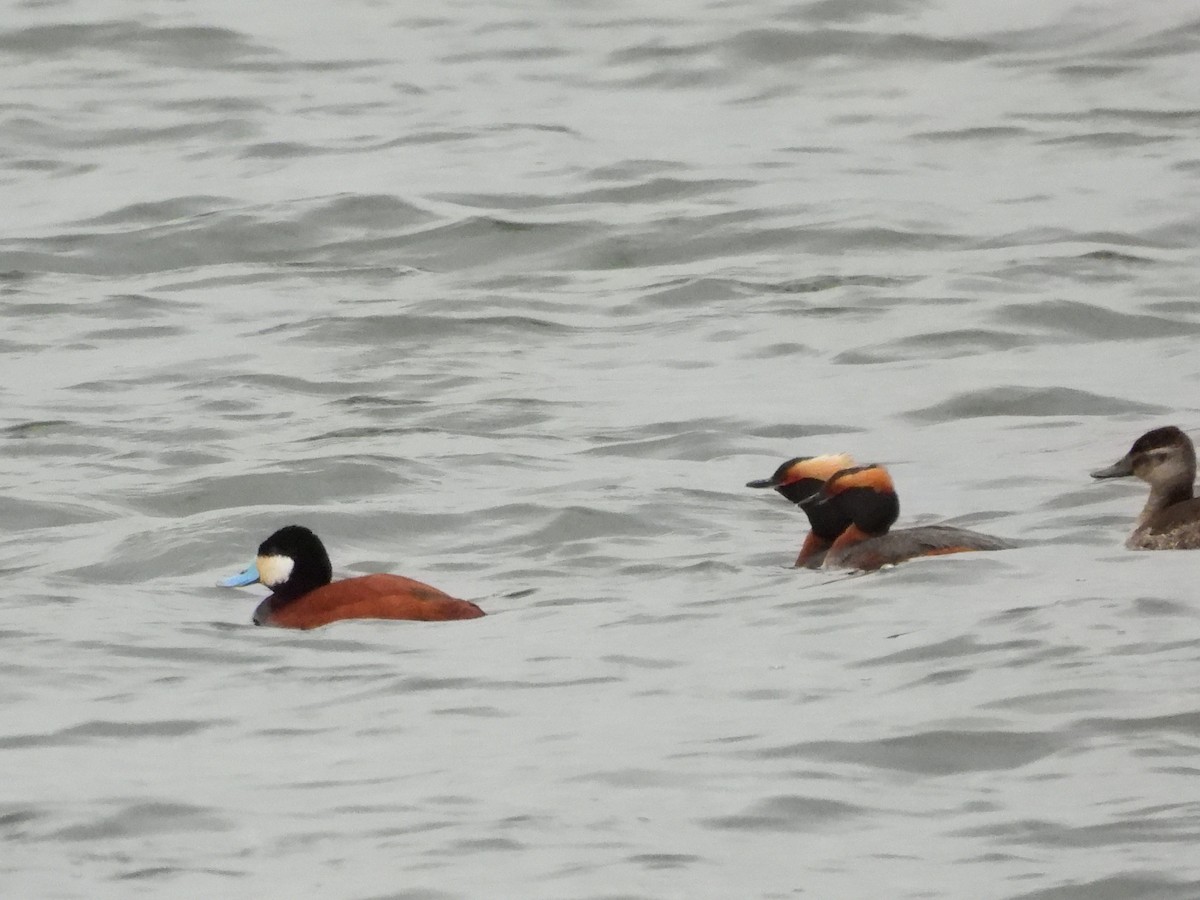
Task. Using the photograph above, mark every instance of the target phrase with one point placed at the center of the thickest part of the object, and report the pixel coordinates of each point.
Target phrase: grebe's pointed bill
(247, 576)
(814, 497)
(1122, 468)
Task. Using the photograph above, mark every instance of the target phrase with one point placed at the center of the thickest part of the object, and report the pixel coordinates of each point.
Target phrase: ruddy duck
(866, 494)
(1166, 460)
(294, 565)
(800, 480)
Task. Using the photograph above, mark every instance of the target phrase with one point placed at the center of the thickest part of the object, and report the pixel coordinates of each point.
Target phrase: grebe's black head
(800, 480)
(865, 494)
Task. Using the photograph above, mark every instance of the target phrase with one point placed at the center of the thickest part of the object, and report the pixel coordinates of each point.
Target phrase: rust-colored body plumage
(365, 597)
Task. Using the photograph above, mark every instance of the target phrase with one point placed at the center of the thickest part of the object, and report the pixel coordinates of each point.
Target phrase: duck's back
(366, 597)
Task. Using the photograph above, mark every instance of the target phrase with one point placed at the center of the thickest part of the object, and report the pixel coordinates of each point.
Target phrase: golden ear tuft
(874, 477)
(819, 467)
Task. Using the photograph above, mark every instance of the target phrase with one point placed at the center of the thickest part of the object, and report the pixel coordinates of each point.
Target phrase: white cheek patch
(274, 570)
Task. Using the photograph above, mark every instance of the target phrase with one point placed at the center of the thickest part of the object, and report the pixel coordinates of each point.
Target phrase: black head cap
(1167, 436)
(311, 567)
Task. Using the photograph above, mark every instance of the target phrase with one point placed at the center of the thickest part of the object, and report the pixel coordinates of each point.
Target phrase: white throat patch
(274, 570)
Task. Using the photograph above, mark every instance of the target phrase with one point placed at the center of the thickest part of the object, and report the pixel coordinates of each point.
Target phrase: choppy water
(514, 298)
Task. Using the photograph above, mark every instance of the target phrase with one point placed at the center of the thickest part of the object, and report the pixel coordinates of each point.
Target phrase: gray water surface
(514, 298)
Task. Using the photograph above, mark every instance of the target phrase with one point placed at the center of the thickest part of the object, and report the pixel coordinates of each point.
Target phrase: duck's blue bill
(247, 576)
